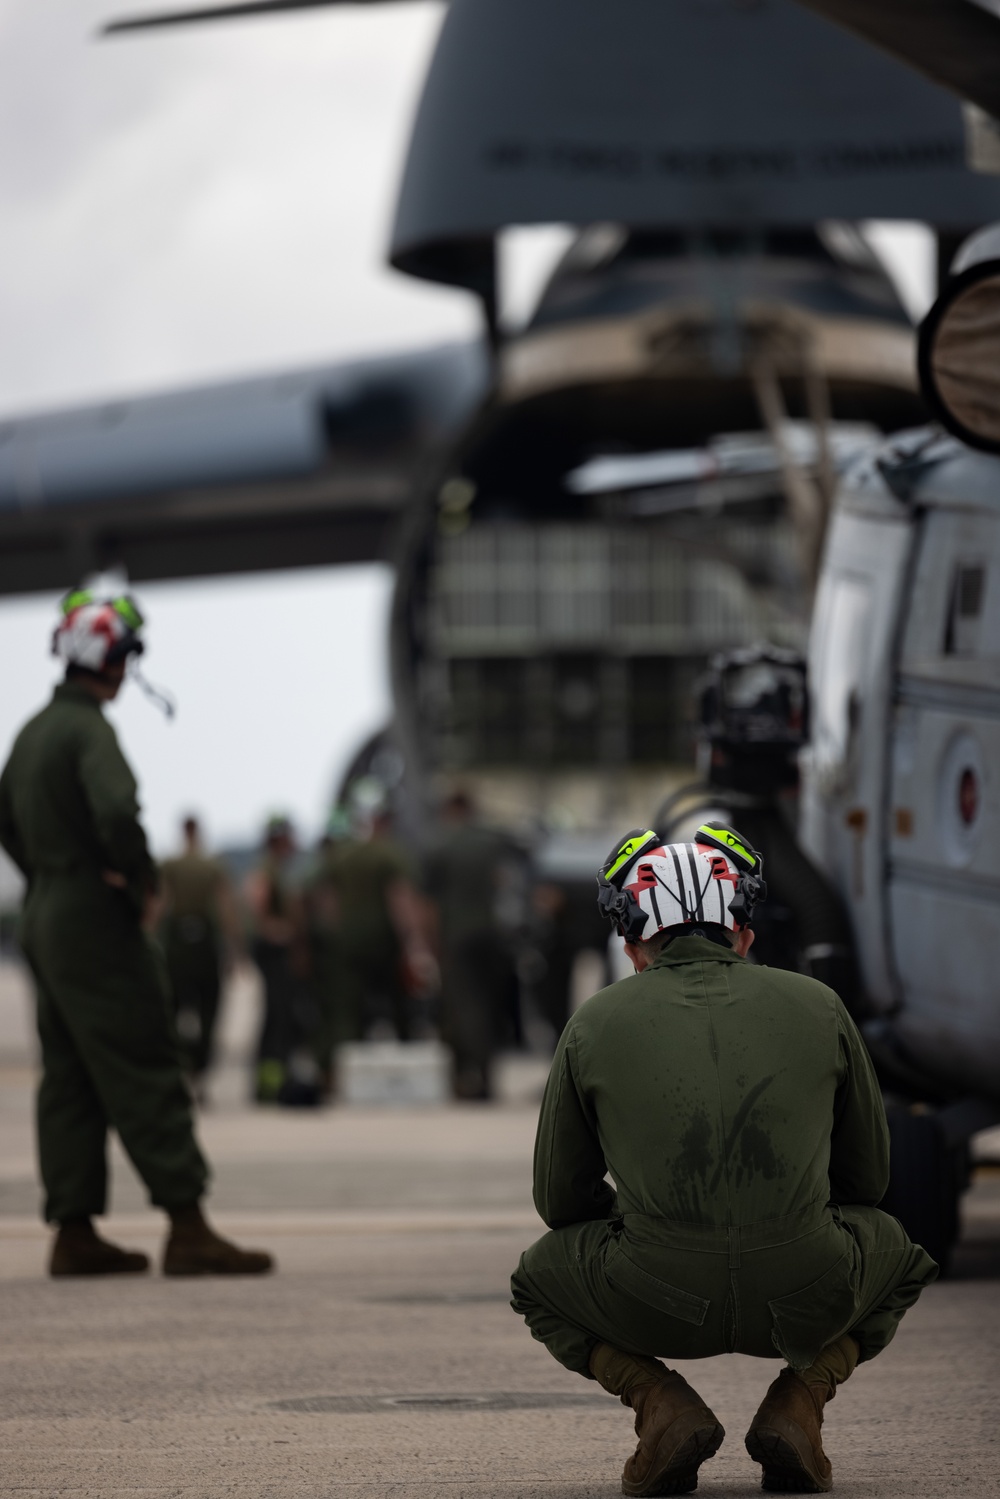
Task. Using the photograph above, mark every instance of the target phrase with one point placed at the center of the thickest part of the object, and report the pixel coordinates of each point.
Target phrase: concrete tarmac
(383, 1358)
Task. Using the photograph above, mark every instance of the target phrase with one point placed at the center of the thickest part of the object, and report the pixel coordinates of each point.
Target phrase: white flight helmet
(647, 886)
(100, 627)
(97, 631)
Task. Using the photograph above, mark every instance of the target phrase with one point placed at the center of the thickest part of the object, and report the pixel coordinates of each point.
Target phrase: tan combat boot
(193, 1248)
(785, 1434)
(675, 1427)
(79, 1250)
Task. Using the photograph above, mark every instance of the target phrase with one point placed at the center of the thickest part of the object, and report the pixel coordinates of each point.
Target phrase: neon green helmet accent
(628, 850)
(125, 608)
(75, 599)
(717, 835)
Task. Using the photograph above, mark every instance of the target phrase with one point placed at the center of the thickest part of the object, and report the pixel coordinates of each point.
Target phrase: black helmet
(755, 717)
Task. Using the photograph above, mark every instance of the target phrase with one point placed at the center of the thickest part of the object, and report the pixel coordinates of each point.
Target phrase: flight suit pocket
(625, 1275)
(805, 1322)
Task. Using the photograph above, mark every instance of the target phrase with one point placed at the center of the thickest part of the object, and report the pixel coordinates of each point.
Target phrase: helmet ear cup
(749, 890)
(633, 920)
(624, 911)
(129, 645)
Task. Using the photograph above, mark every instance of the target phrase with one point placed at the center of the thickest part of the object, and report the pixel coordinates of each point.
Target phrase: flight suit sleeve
(110, 790)
(859, 1145)
(9, 836)
(569, 1168)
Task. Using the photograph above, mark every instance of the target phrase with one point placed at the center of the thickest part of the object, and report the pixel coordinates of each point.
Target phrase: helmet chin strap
(162, 700)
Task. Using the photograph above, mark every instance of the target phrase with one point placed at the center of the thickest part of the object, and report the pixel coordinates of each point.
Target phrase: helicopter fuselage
(901, 798)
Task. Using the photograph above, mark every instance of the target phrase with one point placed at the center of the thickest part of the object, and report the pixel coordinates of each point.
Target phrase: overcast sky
(206, 202)
(184, 206)
(189, 206)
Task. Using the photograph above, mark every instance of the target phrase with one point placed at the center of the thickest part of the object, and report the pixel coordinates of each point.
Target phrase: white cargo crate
(404, 1073)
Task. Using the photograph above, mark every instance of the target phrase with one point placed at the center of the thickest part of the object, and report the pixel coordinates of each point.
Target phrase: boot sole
(103, 1270)
(784, 1453)
(193, 1270)
(678, 1474)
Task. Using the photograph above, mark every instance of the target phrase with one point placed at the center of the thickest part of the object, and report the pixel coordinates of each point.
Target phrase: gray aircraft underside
(695, 116)
(290, 470)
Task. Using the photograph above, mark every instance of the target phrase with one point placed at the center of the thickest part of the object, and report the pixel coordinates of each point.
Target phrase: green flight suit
(192, 944)
(736, 1110)
(68, 812)
(369, 983)
(462, 876)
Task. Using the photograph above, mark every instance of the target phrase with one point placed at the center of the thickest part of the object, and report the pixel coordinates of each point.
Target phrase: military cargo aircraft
(738, 130)
(719, 135)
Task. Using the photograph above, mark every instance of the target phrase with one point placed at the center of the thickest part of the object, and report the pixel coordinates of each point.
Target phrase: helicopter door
(944, 880)
(850, 651)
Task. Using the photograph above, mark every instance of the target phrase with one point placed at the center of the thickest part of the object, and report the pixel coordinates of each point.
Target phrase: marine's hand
(421, 973)
(152, 910)
(114, 879)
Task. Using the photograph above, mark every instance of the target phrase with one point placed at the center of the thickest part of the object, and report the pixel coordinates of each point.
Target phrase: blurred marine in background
(754, 710)
(197, 929)
(69, 820)
(278, 947)
(383, 957)
(322, 914)
(464, 874)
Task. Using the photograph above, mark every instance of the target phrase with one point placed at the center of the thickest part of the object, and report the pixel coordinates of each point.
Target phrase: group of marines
(712, 1144)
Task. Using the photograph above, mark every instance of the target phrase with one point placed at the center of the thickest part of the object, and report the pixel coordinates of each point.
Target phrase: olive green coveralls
(462, 876)
(192, 944)
(68, 812)
(367, 983)
(736, 1110)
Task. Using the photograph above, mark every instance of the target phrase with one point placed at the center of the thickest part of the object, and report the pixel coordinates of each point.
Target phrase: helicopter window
(840, 671)
(965, 606)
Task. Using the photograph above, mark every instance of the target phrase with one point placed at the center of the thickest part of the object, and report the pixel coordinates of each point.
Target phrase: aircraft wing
(303, 468)
(956, 43)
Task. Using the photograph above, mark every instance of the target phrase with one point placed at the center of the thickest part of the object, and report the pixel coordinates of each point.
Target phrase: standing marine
(754, 710)
(69, 819)
(736, 1111)
(196, 929)
(278, 947)
(464, 877)
(384, 958)
(322, 916)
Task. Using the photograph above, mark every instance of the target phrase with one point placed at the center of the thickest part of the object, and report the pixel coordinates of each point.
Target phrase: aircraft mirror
(959, 346)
